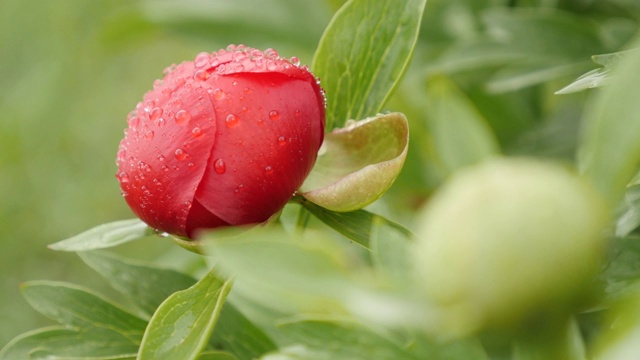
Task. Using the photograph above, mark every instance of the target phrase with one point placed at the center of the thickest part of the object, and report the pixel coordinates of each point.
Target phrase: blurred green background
(71, 70)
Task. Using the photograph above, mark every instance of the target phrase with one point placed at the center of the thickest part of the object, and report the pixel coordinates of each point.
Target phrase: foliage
(475, 80)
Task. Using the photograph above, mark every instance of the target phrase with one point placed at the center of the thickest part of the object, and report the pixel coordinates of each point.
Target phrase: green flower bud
(507, 240)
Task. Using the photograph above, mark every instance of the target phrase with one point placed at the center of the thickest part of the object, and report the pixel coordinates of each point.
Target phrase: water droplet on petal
(219, 166)
(196, 132)
(180, 154)
(231, 120)
(123, 177)
(218, 94)
(134, 122)
(282, 140)
(148, 105)
(295, 61)
(201, 75)
(274, 115)
(268, 170)
(271, 65)
(122, 154)
(149, 135)
(161, 122)
(155, 113)
(239, 188)
(202, 60)
(182, 117)
(160, 158)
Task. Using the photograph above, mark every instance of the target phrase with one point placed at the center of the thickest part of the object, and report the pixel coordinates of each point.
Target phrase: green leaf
(460, 134)
(78, 307)
(95, 327)
(629, 214)
(355, 225)
(363, 54)
(358, 163)
(621, 274)
(610, 150)
(262, 262)
(145, 285)
(390, 251)
(104, 236)
(344, 340)
(216, 355)
(596, 77)
(59, 342)
(183, 323)
(234, 332)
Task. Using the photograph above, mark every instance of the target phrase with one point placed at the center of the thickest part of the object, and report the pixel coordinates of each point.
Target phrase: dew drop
(160, 233)
(148, 105)
(201, 60)
(155, 113)
(218, 94)
(191, 166)
(231, 120)
(182, 117)
(268, 170)
(247, 90)
(165, 168)
(180, 154)
(274, 115)
(122, 155)
(271, 65)
(196, 132)
(123, 177)
(239, 189)
(149, 135)
(219, 166)
(134, 122)
(271, 53)
(282, 140)
(295, 61)
(201, 75)
(160, 158)
(296, 113)
(161, 122)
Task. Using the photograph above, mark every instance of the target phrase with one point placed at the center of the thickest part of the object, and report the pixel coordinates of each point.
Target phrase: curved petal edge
(357, 164)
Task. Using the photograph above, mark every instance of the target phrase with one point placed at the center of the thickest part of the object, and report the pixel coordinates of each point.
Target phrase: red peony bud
(225, 139)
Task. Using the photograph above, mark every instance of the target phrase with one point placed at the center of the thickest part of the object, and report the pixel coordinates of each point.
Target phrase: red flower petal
(223, 140)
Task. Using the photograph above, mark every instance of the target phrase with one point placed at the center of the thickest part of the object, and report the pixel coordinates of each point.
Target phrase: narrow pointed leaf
(596, 77)
(358, 163)
(610, 150)
(182, 325)
(363, 54)
(104, 236)
(355, 225)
